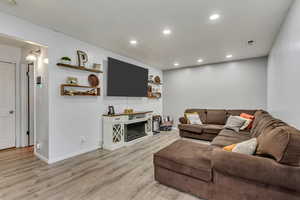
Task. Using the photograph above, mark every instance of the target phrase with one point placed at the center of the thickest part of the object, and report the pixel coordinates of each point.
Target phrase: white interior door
(7, 106)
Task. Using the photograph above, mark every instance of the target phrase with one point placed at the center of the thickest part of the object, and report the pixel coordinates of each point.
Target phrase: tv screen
(127, 80)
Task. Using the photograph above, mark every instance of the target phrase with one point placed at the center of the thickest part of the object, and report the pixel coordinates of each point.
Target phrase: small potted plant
(66, 60)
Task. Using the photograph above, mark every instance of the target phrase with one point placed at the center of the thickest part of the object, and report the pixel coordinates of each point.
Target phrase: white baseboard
(41, 157)
(54, 160)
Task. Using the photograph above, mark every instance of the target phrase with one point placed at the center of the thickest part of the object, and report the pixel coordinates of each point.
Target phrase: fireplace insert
(135, 131)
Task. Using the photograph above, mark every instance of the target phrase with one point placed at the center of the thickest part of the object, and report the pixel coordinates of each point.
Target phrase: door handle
(11, 112)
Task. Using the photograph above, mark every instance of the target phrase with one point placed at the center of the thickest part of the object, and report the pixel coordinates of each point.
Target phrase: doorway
(7, 105)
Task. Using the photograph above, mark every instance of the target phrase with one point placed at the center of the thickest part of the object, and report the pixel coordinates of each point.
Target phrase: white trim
(71, 155)
(41, 157)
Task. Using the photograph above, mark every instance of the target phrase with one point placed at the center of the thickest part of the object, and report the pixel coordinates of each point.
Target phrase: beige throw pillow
(247, 147)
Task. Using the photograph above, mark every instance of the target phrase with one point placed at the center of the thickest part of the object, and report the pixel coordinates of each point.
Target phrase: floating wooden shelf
(79, 68)
(154, 83)
(79, 93)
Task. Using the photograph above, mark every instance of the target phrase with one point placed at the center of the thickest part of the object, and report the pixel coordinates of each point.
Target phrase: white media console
(126, 129)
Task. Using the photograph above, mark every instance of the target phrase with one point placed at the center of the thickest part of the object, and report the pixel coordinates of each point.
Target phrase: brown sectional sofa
(213, 122)
(209, 172)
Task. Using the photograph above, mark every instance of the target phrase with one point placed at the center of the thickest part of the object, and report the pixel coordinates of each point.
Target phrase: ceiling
(111, 24)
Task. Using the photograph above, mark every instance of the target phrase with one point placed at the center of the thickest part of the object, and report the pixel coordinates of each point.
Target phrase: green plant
(66, 58)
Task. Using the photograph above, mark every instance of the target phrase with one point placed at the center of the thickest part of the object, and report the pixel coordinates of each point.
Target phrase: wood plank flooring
(125, 174)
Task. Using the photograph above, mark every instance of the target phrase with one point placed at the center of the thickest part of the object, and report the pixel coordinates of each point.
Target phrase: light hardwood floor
(125, 174)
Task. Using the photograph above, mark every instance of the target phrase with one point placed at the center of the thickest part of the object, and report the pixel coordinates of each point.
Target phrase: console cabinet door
(117, 134)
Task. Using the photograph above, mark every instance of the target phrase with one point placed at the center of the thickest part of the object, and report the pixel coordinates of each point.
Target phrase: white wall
(235, 85)
(284, 70)
(72, 117)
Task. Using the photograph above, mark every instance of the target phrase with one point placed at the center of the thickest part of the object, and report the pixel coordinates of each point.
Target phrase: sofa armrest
(182, 120)
(255, 168)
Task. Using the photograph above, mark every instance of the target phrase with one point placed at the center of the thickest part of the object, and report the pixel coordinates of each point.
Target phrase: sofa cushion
(212, 128)
(265, 123)
(273, 143)
(183, 120)
(216, 117)
(292, 152)
(239, 112)
(228, 137)
(257, 169)
(201, 112)
(186, 157)
(195, 128)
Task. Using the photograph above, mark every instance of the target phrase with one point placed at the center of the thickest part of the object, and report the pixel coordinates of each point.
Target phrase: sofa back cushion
(239, 112)
(292, 152)
(216, 117)
(273, 143)
(264, 122)
(201, 112)
(281, 143)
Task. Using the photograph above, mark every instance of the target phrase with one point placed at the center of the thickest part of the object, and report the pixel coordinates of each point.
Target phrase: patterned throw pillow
(247, 116)
(193, 118)
(246, 124)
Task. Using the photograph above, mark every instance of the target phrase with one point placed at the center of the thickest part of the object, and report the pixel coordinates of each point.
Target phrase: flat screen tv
(126, 80)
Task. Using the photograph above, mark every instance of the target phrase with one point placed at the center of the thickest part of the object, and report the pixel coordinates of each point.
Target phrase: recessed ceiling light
(214, 17)
(133, 42)
(229, 56)
(167, 31)
(200, 60)
(176, 64)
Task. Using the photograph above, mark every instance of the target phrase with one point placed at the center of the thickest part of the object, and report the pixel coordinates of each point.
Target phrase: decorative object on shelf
(111, 110)
(72, 81)
(82, 58)
(66, 60)
(128, 111)
(149, 90)
(150, 79)
(157, 79)
(93, 80)
(97, 66)
(81, 90)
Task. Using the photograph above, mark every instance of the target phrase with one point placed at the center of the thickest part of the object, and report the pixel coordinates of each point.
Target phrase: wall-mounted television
(125, 79)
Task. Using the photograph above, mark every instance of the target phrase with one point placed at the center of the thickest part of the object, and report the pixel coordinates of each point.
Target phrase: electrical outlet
(38, 146)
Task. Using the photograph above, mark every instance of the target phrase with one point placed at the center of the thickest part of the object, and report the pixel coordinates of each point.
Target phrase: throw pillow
(273, 143)
(235, 123)
(193, 118)
(246, 124)
(247, 116)
(229, 148)
(247, 147)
